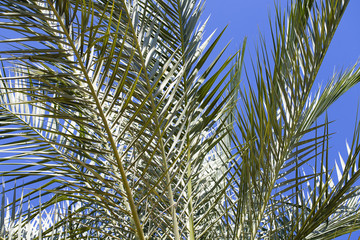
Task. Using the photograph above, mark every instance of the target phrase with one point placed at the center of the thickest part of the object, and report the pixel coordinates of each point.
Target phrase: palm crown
(115, 121)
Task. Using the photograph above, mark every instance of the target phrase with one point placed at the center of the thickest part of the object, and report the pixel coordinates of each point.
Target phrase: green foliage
(115, 123)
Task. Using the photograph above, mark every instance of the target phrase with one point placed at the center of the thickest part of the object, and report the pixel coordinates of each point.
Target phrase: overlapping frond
(114, 120)
(276, 123)
(104, 104)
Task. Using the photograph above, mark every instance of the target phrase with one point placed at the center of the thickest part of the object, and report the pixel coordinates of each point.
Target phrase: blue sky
(249, 17)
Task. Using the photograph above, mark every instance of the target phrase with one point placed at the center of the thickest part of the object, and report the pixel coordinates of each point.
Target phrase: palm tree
(115, 124)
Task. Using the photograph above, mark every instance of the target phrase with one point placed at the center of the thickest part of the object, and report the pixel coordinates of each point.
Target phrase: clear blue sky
(248, 17)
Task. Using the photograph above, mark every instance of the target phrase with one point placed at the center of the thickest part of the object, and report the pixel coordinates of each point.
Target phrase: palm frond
(104, 106)
(275, 122)
(115, 123)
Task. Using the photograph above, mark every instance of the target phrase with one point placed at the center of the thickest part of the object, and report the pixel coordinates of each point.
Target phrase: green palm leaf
(105, 108)
(115, 124)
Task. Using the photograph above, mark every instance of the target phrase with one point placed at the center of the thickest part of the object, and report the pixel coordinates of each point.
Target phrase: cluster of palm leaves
(117, 121)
